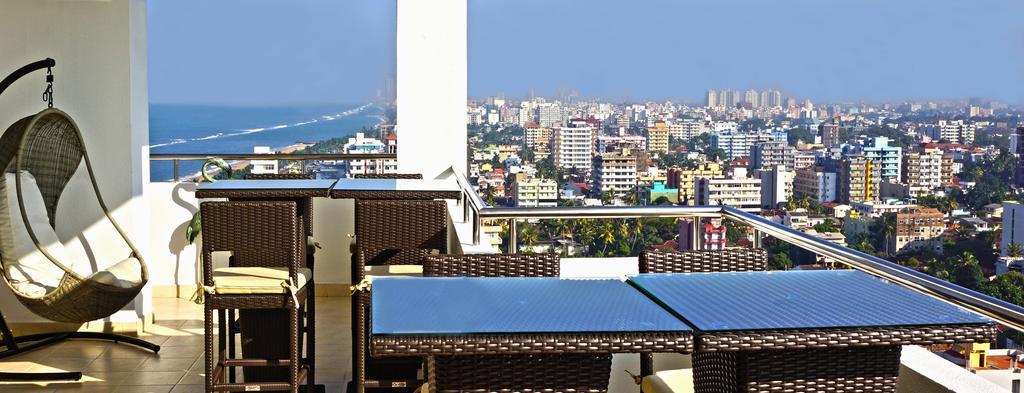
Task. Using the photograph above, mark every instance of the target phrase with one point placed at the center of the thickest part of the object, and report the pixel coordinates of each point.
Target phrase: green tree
(969, 276)
(779, 261)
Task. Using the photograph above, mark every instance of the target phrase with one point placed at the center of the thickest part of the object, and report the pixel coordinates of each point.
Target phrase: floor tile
(154, 378)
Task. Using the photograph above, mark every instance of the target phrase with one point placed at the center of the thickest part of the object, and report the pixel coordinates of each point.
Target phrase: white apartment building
(1013, 226)
(261, 167)
(685, 129)
(803, 159)
(615, 173)
(816, 184)
(737, 144)
(926, 171)
(776, 186)
(549, 114)
(951, 131)
(532, 192)
(573, 146)
(737, 190)
(363, 145)
(876, 209)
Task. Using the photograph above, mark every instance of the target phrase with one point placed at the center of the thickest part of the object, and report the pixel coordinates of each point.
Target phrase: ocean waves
(249, 131)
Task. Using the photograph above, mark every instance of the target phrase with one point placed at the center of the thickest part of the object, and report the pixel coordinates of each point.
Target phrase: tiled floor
(178, 368)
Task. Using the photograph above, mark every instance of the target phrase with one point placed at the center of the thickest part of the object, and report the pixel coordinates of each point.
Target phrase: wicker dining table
(805, 331)
(463, 316)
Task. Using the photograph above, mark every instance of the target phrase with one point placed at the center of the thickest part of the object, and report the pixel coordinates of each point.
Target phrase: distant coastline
(193, 129)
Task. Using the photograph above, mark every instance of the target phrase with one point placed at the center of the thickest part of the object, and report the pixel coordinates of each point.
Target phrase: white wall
(100, 48)
(431, 78)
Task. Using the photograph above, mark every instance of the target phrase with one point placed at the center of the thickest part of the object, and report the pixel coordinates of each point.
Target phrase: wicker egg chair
(48, 149)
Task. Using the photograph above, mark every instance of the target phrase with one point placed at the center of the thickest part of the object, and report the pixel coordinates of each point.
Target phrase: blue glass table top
(289, 184)
(797, 300)
(395, 185)
(477, 305)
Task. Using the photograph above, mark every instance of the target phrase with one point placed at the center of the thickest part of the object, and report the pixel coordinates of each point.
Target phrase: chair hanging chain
(48, 93)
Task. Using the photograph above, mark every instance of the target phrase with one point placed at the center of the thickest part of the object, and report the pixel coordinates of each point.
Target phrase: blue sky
(315, 51)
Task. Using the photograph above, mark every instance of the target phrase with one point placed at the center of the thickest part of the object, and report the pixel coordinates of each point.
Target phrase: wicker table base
(864, 369)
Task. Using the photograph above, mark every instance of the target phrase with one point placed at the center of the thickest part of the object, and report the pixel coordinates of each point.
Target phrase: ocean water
(175, 128)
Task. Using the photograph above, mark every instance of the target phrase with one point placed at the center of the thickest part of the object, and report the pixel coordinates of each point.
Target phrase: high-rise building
(953, 131)
(657, 137)
(816, 184)
(615, 173)
(737, 190)
(751, 97)
(1018, 149)
(829, 133)
(533, 192)
(737, 144)
(573, 145)
(776, 98)
(711, 99)
(926, 171)
(888, 159)
(766, 155)
(776, 185)
(684, 129)
(1013, 226)
(549, 114)
(766, 99)
(858, 179)
(918, 228)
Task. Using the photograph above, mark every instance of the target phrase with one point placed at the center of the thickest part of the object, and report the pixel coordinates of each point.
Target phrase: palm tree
(606, 233)
(888, 222)
(529, 235)
(1014, 250)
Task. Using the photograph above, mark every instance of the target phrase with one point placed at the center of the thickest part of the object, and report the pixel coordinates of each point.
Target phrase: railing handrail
(271, 156)
(1007, 314)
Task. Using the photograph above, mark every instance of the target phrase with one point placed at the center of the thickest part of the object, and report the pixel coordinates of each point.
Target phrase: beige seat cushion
(669, 381)
(27, 269)
(375, 271)
(256, 280)
(124, 274)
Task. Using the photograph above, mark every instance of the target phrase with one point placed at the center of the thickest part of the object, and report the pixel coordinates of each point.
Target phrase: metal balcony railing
(178, 158)
(476, 210)
(1007, 314)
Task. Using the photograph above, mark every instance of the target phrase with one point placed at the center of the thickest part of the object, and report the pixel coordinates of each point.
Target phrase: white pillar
(431, 76)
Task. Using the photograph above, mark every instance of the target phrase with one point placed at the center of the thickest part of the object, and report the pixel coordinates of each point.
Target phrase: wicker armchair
(391, 232)
(305, 208)
(512, 373)
(267, 274)
(695, 261)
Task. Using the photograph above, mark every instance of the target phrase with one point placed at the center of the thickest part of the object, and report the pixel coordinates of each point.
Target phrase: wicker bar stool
(390, 233)
(690, 261)
(510, 373)
(266, 273)
(271, 323)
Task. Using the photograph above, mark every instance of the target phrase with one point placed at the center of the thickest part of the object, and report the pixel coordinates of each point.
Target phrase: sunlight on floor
(178, 368)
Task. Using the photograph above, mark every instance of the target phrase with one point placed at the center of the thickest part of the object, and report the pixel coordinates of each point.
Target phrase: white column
(431, 86)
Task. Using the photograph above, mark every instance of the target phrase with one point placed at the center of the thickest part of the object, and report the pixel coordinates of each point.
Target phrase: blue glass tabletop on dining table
(479, 305)
(797, 300)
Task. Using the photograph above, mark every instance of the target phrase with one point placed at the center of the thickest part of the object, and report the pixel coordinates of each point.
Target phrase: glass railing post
(177, 175)
(758, 236)
(513, 246)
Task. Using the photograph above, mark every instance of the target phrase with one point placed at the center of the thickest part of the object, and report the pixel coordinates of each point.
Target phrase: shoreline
(237, 165)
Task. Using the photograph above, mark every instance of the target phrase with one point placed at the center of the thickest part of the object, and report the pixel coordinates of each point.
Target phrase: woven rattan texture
(495, 344)
(528, 373)
(733, 260)
(399, 232)
(871, 369)
(827, 338)
(415, 176)
(492, 265)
